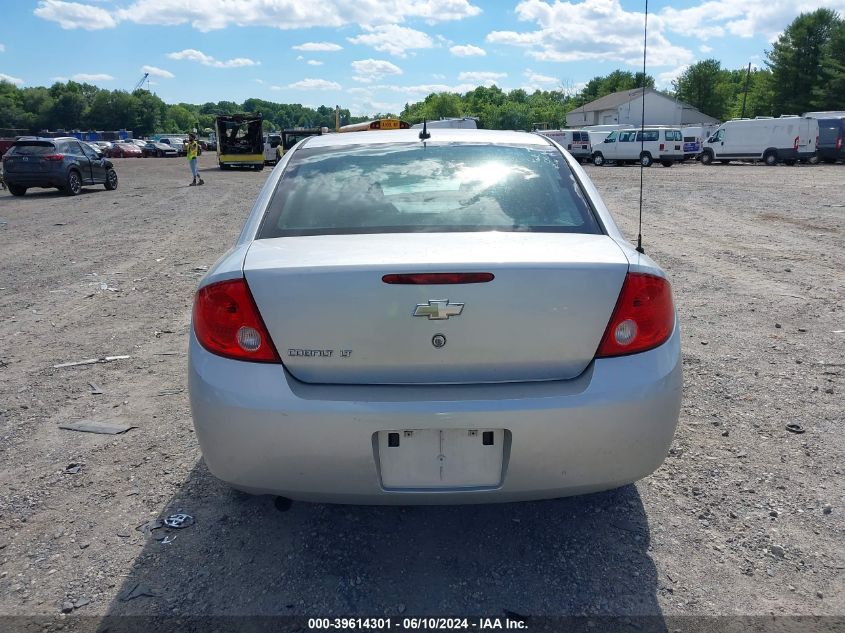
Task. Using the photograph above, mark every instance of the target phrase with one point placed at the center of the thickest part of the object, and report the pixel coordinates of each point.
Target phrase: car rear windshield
(32, 148)
(432, 187)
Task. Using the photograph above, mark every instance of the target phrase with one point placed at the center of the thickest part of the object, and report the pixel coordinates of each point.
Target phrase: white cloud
(481, 76)
(92, 77)
(368, 70)
(10, 79)
(315, 84)
(194, 55)
(664, 80)
(595, 30)
(260, 82)
(705, 49)
(73, 15)
(157, 72)
(325, 47)
(536, 81)
(467, 50)
(752, 18)
(2, 48)
(314, 62)
(211, 15)
(392, 39)
(276, 88)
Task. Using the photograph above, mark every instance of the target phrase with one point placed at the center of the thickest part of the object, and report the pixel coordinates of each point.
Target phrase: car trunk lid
(334, 320)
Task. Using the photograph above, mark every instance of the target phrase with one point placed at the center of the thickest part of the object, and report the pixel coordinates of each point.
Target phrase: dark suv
(831, 140)
(64, 163)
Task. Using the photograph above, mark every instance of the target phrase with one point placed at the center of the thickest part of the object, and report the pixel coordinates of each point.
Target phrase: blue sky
(373, 55)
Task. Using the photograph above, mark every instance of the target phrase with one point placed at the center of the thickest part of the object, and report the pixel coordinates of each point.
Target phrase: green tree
(699, 85)
(797, 61)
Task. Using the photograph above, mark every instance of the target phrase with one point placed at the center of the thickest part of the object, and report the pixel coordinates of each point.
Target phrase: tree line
(804, 70)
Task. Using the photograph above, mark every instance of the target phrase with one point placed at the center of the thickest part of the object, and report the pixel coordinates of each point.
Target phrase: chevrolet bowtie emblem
(438, 310)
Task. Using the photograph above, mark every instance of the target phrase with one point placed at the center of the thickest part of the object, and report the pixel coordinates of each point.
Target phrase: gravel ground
(744, 517)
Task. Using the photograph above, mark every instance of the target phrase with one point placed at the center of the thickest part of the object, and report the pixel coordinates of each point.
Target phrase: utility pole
(745, 94)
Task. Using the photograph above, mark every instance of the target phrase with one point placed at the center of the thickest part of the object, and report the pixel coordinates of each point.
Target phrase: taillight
(53, 157)
(795, 142)
(838, 143)
(227, 323)
(643, 318)
(662, 145)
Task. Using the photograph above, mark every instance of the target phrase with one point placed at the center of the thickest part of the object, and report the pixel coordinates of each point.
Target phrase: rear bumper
(41, 179)
(241, 159)
(263, 431)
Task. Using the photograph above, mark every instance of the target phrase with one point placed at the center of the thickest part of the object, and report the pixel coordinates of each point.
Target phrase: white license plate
(450, 458)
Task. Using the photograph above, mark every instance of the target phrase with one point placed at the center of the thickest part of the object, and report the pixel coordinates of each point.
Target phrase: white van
(576, 142)
(785, 139)
(694, 137)
(271, 142)
(664, 144)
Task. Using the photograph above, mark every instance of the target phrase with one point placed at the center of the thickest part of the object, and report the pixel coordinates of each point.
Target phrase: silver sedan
(446, 320)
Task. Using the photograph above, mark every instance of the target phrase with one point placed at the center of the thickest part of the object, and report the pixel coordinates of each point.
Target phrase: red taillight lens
(839, 143)
(53, 157)
(643, 318)
(227, 323)
(795, 142)
(426, 279)
(662, 146)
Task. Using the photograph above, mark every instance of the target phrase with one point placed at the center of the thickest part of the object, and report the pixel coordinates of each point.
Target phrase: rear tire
(646, 160)
(667, 163)
(111, 180)
(771, 159)
(706, 158)
(74, 183)
(789, 162)
(16, 190)
(598, 159)
(813, 160)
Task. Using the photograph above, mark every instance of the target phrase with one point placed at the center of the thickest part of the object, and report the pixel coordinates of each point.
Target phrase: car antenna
(424, 135)
(640, 248)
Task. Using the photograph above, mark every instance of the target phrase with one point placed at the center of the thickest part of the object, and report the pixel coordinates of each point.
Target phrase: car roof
(447, 135)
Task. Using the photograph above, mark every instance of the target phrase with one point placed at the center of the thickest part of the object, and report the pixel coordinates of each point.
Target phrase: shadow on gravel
(243, 556)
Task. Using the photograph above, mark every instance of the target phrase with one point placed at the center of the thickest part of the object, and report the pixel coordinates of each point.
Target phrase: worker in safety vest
(192, 148)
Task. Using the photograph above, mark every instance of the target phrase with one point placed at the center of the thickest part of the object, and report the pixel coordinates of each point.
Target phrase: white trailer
(785, 139)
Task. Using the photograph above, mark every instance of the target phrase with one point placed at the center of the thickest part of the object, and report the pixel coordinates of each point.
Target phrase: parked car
(576, 142)
(103, 145)
(785, 139)
(66, 164)
(452, 321)
(174, 141)
(139, 143)
(154, 148)
(124, 150)
(662, 144)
